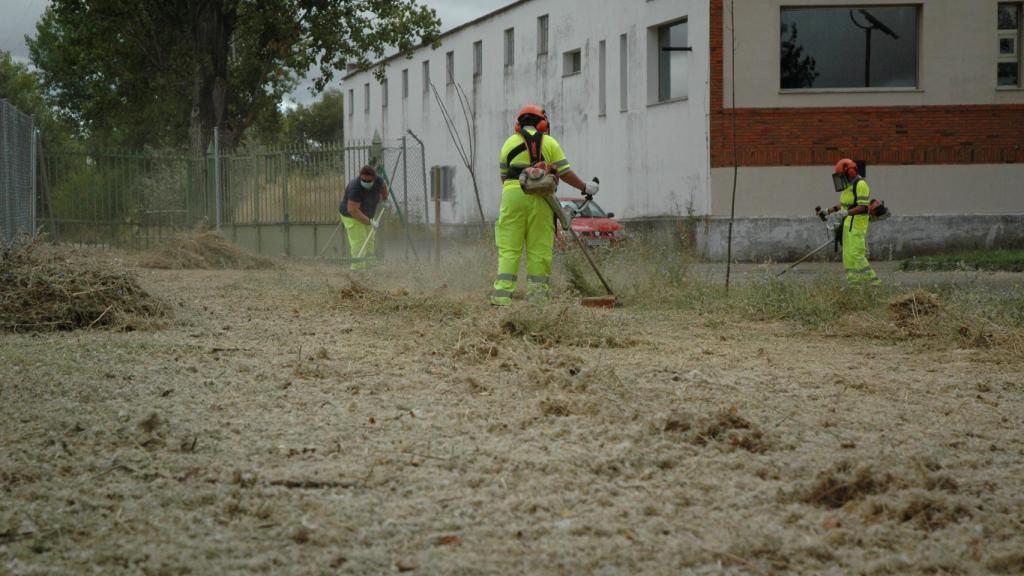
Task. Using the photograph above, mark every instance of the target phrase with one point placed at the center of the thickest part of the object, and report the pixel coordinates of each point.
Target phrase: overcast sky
(18, 18)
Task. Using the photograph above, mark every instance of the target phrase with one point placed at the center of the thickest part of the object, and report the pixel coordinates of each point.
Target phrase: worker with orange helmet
(527, 219)
(852, 214)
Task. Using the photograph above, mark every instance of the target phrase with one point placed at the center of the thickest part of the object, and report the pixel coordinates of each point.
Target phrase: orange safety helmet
(844, 173)
(533, 110)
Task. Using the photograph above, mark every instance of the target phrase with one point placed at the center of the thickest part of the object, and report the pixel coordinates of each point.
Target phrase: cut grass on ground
(993, 260)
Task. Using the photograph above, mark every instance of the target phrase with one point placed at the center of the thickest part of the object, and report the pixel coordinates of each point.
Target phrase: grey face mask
(366, 185)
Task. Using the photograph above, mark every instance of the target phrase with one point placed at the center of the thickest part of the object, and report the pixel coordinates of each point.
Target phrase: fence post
(284, 202)
(216, 175)
(436, 188)
(32, 180)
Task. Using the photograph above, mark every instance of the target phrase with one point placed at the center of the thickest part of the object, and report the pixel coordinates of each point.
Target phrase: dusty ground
(286, 422)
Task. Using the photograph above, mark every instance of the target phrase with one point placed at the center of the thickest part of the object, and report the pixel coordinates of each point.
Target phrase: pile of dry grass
(204, 250)
(44, 287)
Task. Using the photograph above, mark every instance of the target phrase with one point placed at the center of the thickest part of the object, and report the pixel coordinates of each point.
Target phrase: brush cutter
(599, 301)
(829, 232)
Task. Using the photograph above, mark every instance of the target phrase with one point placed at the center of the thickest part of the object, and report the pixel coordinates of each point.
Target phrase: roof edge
(458, 28)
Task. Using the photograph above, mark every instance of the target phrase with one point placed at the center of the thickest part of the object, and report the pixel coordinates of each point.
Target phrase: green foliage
(1005, 260)
(320, 123)
(20, 87)
(157, 73)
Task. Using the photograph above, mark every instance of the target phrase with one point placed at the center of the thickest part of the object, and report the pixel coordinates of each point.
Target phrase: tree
(158, 72)
(20, 87)
(798, 71)
(319, 123)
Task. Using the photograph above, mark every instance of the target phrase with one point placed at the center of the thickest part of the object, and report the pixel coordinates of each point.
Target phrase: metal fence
(17, 172)
(136, 200)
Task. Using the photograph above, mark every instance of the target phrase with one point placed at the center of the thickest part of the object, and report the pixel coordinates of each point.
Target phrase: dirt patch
(909, 308)
(203, 250)
(44, 287)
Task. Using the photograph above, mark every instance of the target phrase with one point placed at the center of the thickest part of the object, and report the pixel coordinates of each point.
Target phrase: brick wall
(880, 135)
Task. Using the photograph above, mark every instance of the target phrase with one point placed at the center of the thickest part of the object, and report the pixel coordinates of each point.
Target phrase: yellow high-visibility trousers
(855, 255)
(357, 233)
(524, 220)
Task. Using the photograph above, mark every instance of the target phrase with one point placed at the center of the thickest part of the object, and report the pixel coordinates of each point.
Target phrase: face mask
(366, 185)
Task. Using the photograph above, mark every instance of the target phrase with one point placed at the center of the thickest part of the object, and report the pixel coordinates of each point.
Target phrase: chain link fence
(17, 172)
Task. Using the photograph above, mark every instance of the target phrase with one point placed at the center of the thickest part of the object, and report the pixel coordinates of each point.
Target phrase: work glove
(592, 188)
(375, 224)
(840, 215)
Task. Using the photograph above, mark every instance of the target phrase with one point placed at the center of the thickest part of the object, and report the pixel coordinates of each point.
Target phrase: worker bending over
(358, 208)
(527, 219)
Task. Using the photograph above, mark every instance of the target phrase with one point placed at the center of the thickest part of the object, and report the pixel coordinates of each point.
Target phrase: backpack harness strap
(531, 144)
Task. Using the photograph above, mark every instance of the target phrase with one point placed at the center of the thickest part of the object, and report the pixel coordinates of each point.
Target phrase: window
(542, 35)
(572, 62)
(426, 76)
(442, 182)
(478, 58)
(673, 72)
(366, 97)
(855, 47)
(510, 47)
(602, 80)
(449, 66)
(405, 83)
(623, 75)
(351, 101)
(384, 93)
(1009, 26)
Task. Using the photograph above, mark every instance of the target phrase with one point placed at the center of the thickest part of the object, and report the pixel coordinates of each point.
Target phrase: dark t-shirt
(367, 199)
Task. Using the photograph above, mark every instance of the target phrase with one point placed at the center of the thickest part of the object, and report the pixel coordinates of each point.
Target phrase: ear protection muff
(542, 126)
(533, 110)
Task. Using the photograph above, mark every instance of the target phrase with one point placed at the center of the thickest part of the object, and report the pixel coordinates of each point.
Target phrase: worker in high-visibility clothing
(527, 219)
(853, 215)
(357, 209)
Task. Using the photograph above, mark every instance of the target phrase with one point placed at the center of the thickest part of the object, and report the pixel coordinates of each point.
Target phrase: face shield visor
(840, 182)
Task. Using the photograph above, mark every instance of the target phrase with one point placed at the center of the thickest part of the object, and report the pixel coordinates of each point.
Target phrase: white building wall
(652, 158)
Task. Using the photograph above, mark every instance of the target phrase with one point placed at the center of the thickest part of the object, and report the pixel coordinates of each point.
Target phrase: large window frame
(665, 64)
(809, 62)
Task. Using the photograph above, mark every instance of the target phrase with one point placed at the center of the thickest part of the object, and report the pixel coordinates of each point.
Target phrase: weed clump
(204, 250)
(725, 428)
(51, 288)
(843, 483)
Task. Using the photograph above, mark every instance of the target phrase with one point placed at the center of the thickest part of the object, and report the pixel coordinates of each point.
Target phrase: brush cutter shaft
(567, 225)
(800, 261)
(373, 230)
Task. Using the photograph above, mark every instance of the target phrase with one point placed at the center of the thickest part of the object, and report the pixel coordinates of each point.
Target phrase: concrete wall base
(788, 239)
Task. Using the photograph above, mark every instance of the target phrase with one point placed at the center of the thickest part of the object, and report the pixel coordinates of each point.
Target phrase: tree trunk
(212, 30)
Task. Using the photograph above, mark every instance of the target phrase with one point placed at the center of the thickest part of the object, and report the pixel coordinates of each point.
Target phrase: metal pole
(216, 174)
(437, 214)
(34, 194)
